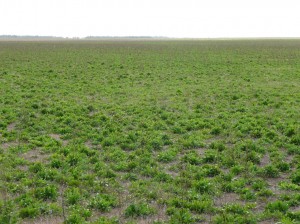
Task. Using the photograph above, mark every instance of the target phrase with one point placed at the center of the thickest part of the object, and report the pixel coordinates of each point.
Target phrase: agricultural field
(148, 131)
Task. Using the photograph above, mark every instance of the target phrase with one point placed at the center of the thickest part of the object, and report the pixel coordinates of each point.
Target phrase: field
(146, 131)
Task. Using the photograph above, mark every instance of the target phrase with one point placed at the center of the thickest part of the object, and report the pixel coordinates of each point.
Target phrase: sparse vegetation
(150, 131)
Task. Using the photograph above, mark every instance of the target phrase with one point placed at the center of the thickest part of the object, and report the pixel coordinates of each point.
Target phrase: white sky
(172, 18)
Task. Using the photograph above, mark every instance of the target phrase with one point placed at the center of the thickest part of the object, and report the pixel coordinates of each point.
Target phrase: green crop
(172, 131)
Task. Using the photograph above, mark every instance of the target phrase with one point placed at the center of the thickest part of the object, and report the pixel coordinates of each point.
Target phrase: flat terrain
(170, 131)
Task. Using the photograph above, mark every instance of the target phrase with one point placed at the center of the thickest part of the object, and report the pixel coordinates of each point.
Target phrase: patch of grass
(138, 209)
(135, 131)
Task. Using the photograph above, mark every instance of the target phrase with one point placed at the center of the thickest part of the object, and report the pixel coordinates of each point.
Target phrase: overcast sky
(171, 18)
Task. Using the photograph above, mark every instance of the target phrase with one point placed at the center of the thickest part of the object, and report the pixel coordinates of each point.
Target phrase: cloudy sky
(171, 18)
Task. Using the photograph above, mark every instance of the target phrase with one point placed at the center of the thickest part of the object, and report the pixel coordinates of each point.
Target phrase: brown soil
(34, 156)
(11, 127)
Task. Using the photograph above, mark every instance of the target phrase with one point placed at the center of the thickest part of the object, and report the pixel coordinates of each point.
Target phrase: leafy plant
(138, 209)
(103, 202)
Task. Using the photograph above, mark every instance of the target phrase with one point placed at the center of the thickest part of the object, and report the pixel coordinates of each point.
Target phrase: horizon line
(90, 37)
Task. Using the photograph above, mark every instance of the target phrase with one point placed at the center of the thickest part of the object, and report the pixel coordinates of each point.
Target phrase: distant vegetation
(27, 37)
(150, 131)
(8, 37)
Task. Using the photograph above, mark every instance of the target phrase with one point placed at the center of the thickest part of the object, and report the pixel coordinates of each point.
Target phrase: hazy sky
(172, 18)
